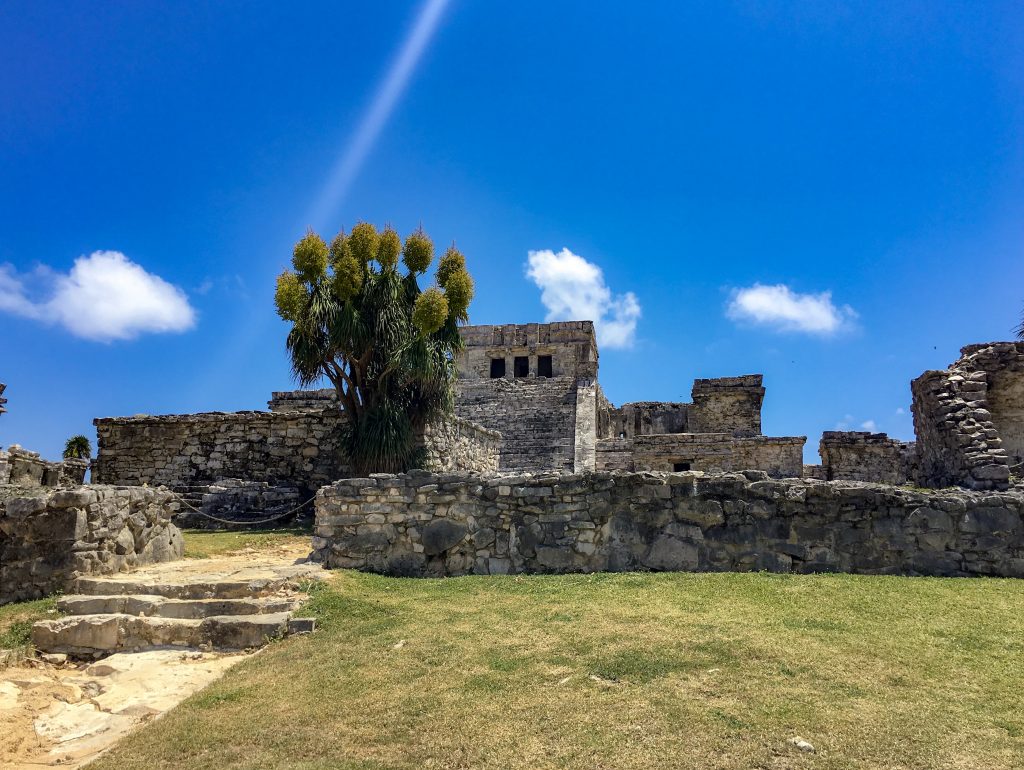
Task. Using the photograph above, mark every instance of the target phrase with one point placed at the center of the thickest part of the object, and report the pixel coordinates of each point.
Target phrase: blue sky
(828, 193)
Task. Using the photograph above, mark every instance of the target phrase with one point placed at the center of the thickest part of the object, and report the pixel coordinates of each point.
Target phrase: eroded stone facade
(537, 385)
(865, 456)
(424, 524)
(969, 418)
(52, 537)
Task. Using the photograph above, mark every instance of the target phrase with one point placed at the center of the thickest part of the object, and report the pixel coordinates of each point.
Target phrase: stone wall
(27, 469)
(864, 456)
(779, 456)
(424, 524)
(302, 400)
(302, 448)
(641, 418)
(296, 446)
(49, 539)
(460, 445)
(536, 417)
(571, 345)
(727, 405)
(962, 413)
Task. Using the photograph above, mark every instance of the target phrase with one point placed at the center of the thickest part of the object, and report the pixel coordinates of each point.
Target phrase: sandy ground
(66, 715)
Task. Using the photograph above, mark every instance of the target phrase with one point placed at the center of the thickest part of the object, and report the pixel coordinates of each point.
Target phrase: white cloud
(900, 410)
(105, 297)
(785, 310)
(869, 425)
(573, 289)
(845, 423)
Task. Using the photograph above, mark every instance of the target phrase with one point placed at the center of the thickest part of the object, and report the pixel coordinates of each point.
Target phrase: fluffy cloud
(573, 289)
(104, 297)
(869, 425)
(783, 309)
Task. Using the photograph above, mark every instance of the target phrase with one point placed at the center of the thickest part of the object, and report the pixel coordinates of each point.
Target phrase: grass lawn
(618, 672)
(204, 544)
(16, 621)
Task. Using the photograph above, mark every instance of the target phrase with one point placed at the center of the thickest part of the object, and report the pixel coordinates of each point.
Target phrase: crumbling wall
(614, 454)
(865, 456)
(571, 345)
(49, 539)
(456, 444)
(425, 524)
(302, 400)
(642, 418)
(27, 469)
(727, 405)
(959, 438)
(778, 456)
(535, 416)
(301, 448)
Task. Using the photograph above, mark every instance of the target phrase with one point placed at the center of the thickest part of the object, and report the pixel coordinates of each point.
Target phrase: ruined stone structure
(27, 469)
(48, 539)
(296, 444)
(969, 418)
(3, 401)
(426, 524)
(537, 385)
(864, 456)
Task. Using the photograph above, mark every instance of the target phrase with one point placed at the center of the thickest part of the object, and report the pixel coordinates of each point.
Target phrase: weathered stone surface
(442, 534)
(969, 418)
(298, 448)
(458, 524)
(864, 456)
(51, 538)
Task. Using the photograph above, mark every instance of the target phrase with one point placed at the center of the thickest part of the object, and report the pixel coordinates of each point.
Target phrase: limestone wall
(642, 418)
(536, 417)
(27, 469)
(300, 448)
(779, 456)
(864, 456)
(456, 444)
(424, 524)
(48, 539)
(570, 344)
(962, 413)
(727, 405)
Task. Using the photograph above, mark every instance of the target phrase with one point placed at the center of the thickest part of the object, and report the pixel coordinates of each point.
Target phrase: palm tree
(387, 347)
(77, 448)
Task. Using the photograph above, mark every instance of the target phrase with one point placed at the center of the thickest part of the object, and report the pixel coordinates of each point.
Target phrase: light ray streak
(351, 159)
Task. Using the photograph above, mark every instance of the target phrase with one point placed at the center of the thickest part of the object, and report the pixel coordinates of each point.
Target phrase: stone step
(152, 605)
(102, 634)
(216, 587)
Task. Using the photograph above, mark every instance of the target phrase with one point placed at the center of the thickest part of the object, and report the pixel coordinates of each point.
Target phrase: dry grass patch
(206, 544)
(620, 672)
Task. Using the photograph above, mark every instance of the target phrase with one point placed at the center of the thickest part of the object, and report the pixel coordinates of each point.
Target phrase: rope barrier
(241, 521)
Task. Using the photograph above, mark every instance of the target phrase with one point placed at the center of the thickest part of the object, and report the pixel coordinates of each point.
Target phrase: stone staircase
(217, 604)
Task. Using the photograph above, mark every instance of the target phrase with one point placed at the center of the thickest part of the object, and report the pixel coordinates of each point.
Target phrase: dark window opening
(543, 366)
(680, 467)
(521, 366)
(497, 368)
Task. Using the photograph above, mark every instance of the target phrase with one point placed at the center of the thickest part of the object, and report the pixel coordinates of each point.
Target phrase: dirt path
(59, 712)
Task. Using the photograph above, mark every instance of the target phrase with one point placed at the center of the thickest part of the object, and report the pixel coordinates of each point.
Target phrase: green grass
(620, 672)
(16, 621)
(205, 544)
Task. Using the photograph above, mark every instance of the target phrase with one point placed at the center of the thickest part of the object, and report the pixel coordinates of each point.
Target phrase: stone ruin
(969, 418)
(23, 468)
(538, 471)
